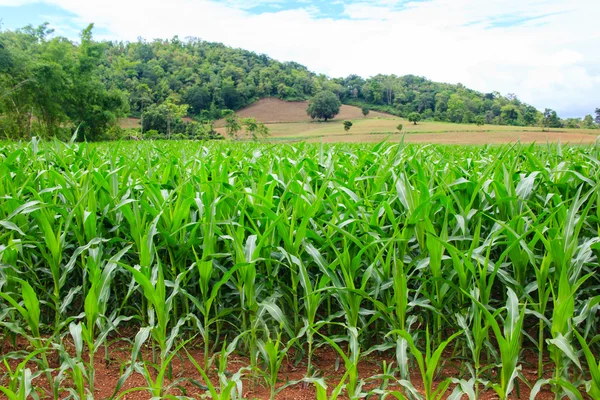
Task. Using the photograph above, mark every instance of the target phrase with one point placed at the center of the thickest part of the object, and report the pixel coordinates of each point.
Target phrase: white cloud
(543, 50)
(15, 3)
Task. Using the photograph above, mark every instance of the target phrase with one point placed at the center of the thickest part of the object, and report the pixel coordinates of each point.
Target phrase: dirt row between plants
(186, 381)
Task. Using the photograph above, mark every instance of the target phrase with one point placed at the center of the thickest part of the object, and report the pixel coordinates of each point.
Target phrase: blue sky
(545, 51)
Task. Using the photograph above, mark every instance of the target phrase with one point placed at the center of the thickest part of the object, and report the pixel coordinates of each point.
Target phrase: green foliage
(49, 84)
(232, 124)
(325, 105)
(510, 114)
(255, 129)
(480, 120)
(588, 123)
(347, 125)
(550, 119)
(399, 127)
(414, 117)
(439, 257)
(575, 123)
(165, 118)
(365, 111)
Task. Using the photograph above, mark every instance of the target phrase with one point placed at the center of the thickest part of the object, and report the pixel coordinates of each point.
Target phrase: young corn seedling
(96, 327)
(428, 366)
(30, 312)
(312, 299)
(230, 385)
(160, 314)
(321, 387)
(353, 386)
(206, 305)
(24, 389)
(476, 330)
(509, 342)
(273, 353)
(20, 378)
(561, 349)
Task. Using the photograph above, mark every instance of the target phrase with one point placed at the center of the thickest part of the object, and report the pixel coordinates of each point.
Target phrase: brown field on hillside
(129, 123)
(275, 111)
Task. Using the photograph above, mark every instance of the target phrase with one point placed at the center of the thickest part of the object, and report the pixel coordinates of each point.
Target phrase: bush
(347, 125)
(179, 136)
(153, 134)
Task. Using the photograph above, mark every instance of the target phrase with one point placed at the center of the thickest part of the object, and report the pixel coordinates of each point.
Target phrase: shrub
(347, 125)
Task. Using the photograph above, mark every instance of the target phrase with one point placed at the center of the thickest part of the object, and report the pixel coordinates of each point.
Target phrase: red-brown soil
(325, 360)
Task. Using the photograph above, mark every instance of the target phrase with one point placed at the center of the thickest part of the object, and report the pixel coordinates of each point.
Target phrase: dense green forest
(51, 85)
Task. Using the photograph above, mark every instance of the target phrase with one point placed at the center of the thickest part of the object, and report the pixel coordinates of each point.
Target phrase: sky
(544, 51)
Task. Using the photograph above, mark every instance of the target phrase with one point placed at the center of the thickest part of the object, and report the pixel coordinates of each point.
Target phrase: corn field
(477, 260)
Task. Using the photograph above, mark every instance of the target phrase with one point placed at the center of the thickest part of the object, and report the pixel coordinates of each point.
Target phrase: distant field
(288, 122)
(376, 130)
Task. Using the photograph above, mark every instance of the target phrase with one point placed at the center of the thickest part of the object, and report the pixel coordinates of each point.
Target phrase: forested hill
(49, 83)
(211, 76)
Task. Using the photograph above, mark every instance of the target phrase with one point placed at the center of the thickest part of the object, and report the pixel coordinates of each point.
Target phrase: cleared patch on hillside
(271, 111)
(129, 123)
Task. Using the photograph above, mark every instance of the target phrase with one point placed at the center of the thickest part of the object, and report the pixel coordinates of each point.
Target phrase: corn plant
(340, 246)
(20, 379)
(230, 387)
(428, 364)
(24, 389)
(30, 311)
(160, 309)
(509, 342)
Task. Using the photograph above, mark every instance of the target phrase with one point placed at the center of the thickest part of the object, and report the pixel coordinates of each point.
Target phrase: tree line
(51, 86)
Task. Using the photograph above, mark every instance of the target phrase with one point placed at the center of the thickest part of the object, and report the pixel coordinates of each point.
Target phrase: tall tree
(550, 119)
(325, 105)
(143, 96)
(414, 117)
(509, 114)
(588, 122)
(93, 107)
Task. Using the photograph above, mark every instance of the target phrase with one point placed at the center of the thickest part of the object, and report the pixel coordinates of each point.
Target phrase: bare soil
(272, 111)
(326, 361)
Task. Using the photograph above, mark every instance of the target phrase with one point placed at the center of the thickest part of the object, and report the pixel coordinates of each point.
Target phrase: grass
(433, 257)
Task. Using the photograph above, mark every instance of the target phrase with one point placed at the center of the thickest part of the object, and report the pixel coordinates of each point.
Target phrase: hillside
(94, 83)
(272, 110)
